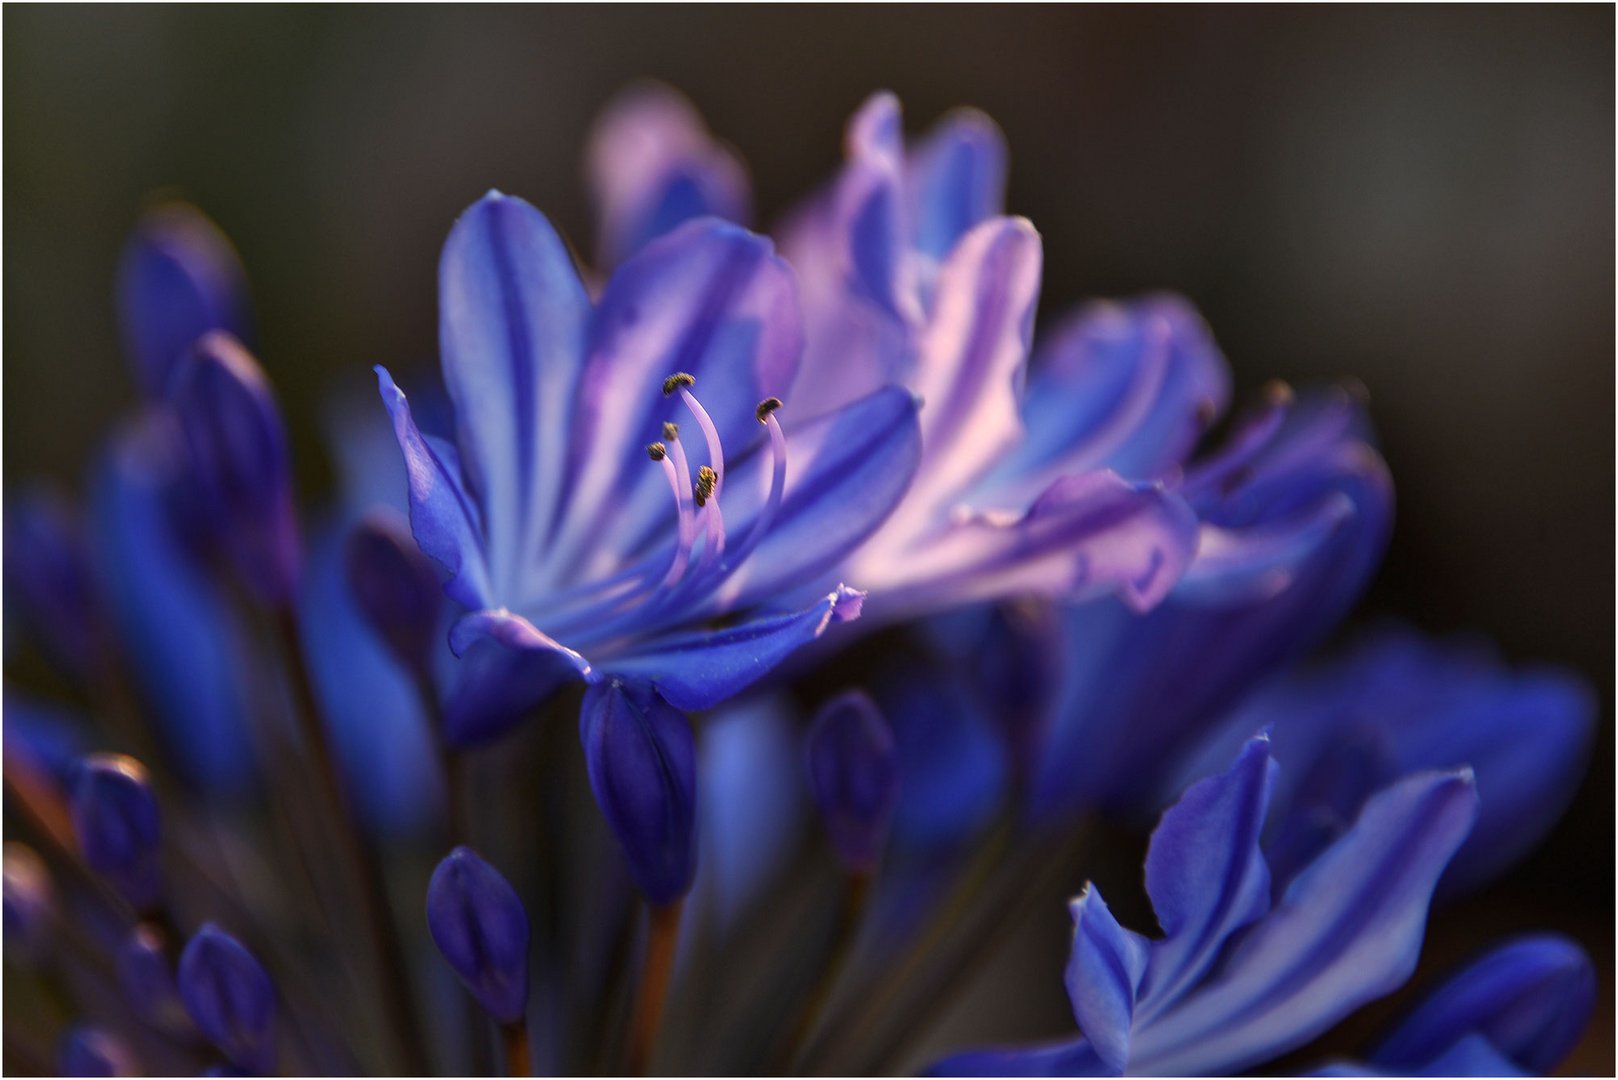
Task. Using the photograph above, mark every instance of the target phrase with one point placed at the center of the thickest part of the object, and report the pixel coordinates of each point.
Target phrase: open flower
(575, 555)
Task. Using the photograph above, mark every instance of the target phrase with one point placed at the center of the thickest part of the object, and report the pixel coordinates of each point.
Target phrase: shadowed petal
(1346, 932)
(1063, 1059)
(1104, 975)
(700, 669)
(443, 517)
(505, 666)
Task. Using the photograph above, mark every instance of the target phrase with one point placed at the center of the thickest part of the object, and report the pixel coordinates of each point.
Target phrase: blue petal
(845, 474)
(512, 316)
(479, 925)
(1103, 977)
(1063, 1059)
(871, 210)
(1471, 1056)
(653, 167)
(49, 578)
(697, 670)
(956, 177)
(642, 765)
(1087, 535)
(1529, 999)
(178, 279)
(443, 516)
(378, 721)
(711, 300)
(1205, 873)
(186, 647)
(504, 667)
(1347, 931)
(953, 767)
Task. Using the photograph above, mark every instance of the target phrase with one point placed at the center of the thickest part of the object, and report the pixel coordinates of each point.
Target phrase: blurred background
(1419, 199)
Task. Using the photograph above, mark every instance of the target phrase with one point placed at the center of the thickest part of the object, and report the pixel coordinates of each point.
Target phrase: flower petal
(871, 210)
(956, 178)
(653, 166)
(1205, 873)
(1103, 977)
(505, 667)
(699, 669)
(1347, 931)
(711, 300)
(512, 319)
(1530, 999)
(1086, 535)
(443, 516)
(1076, 1058)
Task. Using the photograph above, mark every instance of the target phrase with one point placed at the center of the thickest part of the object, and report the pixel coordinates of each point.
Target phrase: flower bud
(240, 463)
(478, 923)
(854, 777)
(395, 586)
(230, 998)
(147, 978)
(88, 1051)
(27, 901)
(47, 573)
(179, 278)
(119, 830)
(642, 764)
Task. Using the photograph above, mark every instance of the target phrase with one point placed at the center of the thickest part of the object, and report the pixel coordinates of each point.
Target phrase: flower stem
(856, 896)
(365, 872)
(514, 1037)
(662, 937)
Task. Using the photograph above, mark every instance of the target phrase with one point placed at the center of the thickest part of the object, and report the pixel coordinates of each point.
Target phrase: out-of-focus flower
(1238, 979)
(50, 583)
(478, 923)
(27, 900)
(1515, 1011)
(88, 1051)
(1398, 702)
(230, 998)
(854, 776)
(116, 820)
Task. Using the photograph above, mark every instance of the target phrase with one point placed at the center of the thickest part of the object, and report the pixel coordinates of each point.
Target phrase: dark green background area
(1420, 199)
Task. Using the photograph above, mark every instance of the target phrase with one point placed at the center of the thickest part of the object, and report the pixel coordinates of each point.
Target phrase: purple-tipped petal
(88, 1051)
(970, 370)
(479, 925)
(443, 516)
(118, 827)
(653, 166)
(1529, 1000)
(1103, 978)
(1347, 931)
(241, 463)
(1204, 872)
(698, 670)
(642, 766)
(230, 998)
(179, 278)
(512, 323)
(854, 777)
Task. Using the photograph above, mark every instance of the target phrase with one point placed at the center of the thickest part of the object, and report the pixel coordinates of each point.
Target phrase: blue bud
(147, 978)
(179, 278)
(240, 463)
(642, 764)
(478, 922)
(27, 901)
(88, 1051)
(854, 776)
(230, 998)
(118, 827)
(395, 586)
(47, 573)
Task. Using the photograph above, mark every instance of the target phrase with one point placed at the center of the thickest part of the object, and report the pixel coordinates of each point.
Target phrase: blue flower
(1238, 978)
(574, 555)
(1397, 702)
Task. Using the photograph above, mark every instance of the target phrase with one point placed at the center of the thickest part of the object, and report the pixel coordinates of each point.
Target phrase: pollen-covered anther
(766, 407)
(671, 431)
(656, 451)
(677, 381)
(702, 490)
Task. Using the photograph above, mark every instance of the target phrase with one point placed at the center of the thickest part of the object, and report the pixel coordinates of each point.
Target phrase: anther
(702, 490)
(766, 407)
(656, 451)
(671, 431)
(677, 381)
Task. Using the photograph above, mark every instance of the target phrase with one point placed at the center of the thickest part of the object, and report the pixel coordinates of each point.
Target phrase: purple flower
(854, 775)
(478, 923)
(119, 830)
(87, 1051)
(230, 998)
(1239, 978)
(575, 556)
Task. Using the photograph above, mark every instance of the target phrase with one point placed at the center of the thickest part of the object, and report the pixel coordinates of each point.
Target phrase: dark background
(1421, 199)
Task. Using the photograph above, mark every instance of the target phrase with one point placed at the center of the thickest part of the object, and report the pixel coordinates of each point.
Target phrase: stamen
(716, 451)
(678, 381)
(765, 408)
(657, 451)
(671, 431)
(703, 489)
(679, 474)
(778, 483)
